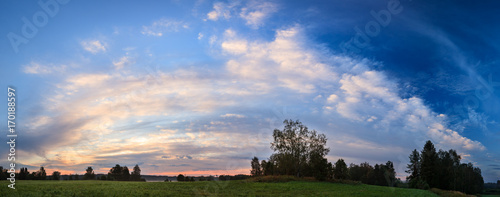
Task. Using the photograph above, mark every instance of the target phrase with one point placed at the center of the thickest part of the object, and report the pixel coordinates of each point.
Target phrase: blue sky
(198, 86)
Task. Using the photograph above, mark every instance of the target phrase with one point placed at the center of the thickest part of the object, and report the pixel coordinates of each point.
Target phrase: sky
(197, 87)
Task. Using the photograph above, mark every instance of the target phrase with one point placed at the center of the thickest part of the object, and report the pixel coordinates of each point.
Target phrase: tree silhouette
(56, 175)
(429, 164)
(41, 174)
(136, 174)
(125, 174)
(3, 173)
(340, 170)
(180, 177)
(414, 169)
(256, 168)
(89, 174)
(23, 173)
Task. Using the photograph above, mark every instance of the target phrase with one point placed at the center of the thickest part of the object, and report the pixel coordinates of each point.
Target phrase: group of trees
(118, 173)
(380, 174)
(122, 173)
(181, 178)
(301, 152)
(298, 152)
(24, 174)
(443, 170)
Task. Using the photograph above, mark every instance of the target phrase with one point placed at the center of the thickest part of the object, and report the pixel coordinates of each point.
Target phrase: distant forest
(116, 173)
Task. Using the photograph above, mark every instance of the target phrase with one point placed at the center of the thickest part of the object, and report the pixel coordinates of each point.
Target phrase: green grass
(219, 188)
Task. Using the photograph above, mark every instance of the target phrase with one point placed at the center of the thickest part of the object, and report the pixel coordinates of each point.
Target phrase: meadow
(202, 188)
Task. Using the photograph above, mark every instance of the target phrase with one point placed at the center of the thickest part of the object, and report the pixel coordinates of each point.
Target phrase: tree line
(183, 178)
(116, 173)
(443, 170)
(301, 152)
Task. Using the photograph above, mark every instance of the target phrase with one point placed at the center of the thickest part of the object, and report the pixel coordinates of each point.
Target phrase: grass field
(219, 188)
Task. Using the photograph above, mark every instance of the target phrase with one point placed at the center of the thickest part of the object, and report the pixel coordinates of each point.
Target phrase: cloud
(220, 10)
(232, 115)
(94, 46)
(36, 68)
(280, 63)
(256, 12)
(123, 61)
(162, 26)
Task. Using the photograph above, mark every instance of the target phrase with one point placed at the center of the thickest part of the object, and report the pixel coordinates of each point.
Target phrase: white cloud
(36, 68)
(256, 12)
(94, 46)
(281, 63)
(123, 61)
(235, 46)
(162, 26)
(332, 98)
(220, 10)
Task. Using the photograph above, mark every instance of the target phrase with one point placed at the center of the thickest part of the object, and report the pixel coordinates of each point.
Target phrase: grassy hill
(212, 188)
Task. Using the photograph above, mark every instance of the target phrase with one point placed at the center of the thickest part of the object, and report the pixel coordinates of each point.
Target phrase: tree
(413, 168)
(2, 173)
(360, 172)
(115, 173)
(77, 177)
(263, 164)
(319, 168)
(23, 174)
(103, 178)
(89, 174)
(136, 174)
(340, 170)
(180, 177)
(294, 146)
(125, 174)
(389, 173)
(56, 175)
(429, 164)
(256, 168)
(41, 174)
(119, 173)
